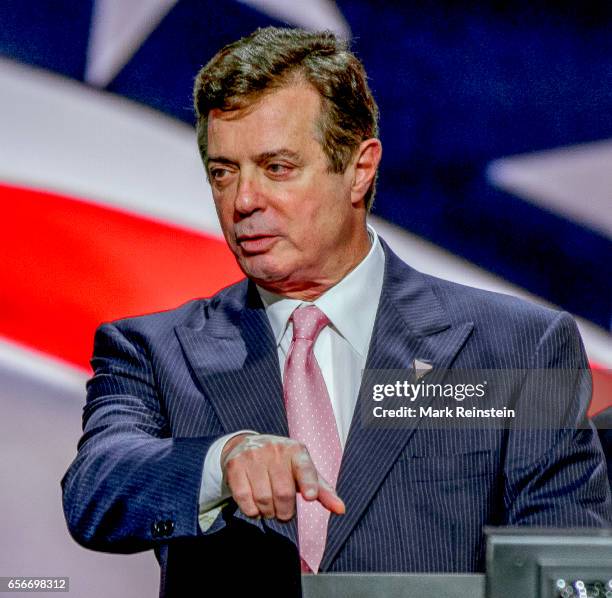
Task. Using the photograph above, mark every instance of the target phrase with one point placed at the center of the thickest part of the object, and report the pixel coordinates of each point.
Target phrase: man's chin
(263, 271)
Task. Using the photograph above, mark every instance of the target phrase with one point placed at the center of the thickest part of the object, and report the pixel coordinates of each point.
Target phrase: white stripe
(59, 377)
(573, 181)
(63, 136)
(118, 29)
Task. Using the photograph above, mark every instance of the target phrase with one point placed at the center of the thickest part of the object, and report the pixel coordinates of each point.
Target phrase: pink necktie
(311, 421)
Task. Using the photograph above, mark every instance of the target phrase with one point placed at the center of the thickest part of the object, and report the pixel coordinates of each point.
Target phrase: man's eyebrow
(220, 159)
(263, 157)
(279, 153)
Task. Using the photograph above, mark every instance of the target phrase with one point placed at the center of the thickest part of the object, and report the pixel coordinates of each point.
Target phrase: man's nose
(249, 195)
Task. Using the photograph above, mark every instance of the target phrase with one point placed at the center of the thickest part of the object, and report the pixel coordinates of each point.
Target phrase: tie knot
(308, 322)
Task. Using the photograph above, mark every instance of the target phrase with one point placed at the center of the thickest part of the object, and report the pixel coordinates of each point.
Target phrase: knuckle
(301, 456)
(264, 500)
(250, 511)
(242, 497)
(308, 476)
(285, 496)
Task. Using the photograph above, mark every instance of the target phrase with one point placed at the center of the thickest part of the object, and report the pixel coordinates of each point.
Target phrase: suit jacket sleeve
(131, 485)
(555, 474)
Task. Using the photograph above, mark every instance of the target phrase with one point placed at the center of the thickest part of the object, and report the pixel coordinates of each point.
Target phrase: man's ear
(365, 165)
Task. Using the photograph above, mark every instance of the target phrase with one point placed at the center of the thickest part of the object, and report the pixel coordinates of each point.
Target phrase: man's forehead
(283, 103)
(281, 119)
(275, 91)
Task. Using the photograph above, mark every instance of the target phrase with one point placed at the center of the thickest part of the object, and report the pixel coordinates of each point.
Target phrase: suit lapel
(235, 360)
(410, 323)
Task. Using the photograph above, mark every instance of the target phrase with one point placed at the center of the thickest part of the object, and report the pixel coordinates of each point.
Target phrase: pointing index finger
(312, 486)
(329, 499)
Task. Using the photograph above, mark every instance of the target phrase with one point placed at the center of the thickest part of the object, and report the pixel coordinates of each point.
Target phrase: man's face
(287, 219)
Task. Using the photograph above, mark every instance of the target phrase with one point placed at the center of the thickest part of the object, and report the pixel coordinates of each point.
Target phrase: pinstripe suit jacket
(167, 385)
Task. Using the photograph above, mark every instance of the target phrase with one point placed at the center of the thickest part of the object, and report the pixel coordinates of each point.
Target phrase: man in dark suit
(206, 426)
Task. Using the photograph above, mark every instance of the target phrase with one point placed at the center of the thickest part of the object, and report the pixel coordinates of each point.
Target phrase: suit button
(157, 529)
(164, 527)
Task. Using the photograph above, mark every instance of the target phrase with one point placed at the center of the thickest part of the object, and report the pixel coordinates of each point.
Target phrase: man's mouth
(255, 243)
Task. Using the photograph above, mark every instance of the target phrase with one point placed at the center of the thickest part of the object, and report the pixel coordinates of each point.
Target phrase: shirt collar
(350, 305)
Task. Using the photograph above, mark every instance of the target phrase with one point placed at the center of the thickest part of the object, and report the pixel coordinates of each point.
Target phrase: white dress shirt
(341, 350)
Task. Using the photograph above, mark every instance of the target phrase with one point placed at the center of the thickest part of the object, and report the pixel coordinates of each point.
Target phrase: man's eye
(218, 173)
(278, 168)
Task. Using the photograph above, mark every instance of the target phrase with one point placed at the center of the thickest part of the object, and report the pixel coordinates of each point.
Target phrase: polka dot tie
(311, 421)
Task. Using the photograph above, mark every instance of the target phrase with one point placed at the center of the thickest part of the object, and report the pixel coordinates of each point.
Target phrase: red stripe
(67, 265)
(602, 389)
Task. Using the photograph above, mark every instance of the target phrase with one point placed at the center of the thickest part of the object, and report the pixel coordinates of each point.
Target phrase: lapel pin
(421, 368)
